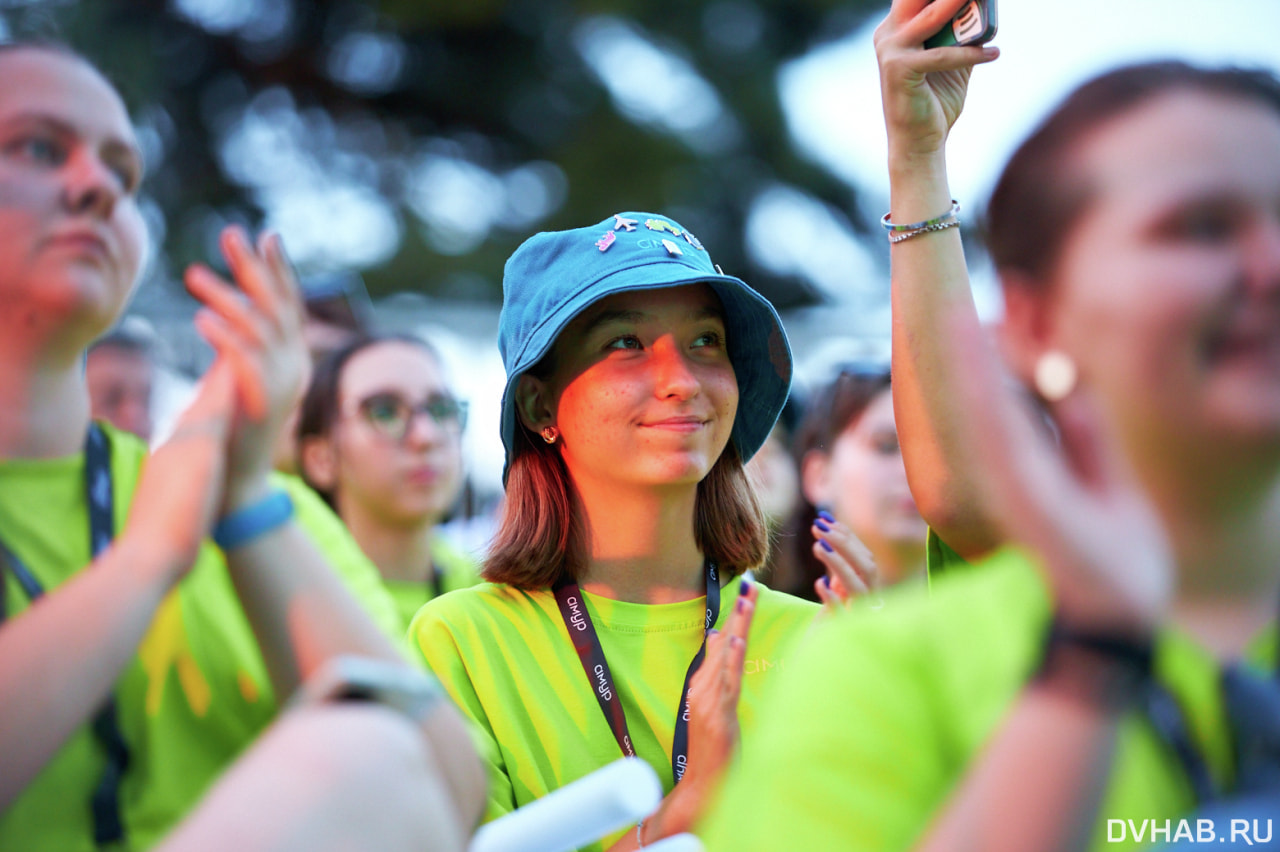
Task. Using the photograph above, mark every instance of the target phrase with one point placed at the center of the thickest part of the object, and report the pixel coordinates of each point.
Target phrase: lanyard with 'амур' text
(585, 641)
(105, 802)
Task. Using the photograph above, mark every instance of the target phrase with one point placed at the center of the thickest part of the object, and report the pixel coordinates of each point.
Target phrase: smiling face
(643, 392)
(71, 235)
(1167, 291)
(398, 481)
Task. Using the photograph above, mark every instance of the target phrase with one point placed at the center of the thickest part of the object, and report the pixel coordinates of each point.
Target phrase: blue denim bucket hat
(556, 275)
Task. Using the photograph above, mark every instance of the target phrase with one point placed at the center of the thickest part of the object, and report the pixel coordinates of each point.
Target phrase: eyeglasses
(392, 415)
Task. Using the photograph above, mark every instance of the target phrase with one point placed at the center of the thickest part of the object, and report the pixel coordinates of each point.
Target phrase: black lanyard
(105, 802)
(585, 641)
(435, 582)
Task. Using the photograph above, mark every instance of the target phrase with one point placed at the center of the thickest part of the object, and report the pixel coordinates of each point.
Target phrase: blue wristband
(248, 522)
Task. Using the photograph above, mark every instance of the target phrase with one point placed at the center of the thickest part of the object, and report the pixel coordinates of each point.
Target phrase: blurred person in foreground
(380, 439)
(131, 684)
(120, 371)
(855, 484)
(639, 381)
(1121, 667)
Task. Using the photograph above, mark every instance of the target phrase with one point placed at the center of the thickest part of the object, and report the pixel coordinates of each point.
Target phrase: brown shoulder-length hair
(543, 533)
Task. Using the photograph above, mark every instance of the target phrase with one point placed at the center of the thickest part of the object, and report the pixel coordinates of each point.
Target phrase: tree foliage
(419, 141)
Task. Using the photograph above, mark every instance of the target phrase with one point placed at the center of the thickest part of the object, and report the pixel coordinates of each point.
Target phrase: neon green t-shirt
(880, 714)
(197, 690)
(457, 571)
(506, 658)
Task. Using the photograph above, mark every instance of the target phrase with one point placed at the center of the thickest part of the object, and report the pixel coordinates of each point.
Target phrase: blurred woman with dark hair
(855, 487)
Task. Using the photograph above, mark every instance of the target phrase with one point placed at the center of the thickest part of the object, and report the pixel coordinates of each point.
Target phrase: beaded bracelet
(936, 226)
(916, 226)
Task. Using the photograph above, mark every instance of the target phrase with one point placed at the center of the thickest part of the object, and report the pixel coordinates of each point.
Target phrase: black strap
(108, 828)
(1170, 722)
(1253, 713)
(585, 641)
(435, 581)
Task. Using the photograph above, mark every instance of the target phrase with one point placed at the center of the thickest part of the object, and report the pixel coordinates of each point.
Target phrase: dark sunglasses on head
(392, 415)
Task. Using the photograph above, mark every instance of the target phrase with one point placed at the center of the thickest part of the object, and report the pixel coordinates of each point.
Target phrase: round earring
(1055, 375)
(549, 434)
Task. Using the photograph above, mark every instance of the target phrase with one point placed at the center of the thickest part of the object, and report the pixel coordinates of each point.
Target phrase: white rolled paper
(577, 814)
(676, 843)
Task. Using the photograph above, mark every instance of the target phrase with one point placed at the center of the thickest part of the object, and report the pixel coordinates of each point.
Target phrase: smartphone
(974, 24)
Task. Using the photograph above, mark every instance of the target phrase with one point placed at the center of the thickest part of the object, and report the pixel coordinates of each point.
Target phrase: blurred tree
(419, 141)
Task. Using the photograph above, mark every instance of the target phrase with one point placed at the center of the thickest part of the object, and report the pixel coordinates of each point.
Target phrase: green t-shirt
(880, 714)
(197, 690)
(457, 571)
(506, 658)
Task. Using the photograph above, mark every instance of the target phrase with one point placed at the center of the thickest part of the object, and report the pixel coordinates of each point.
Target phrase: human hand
(851, 569)
(1077, 505)
(182, 482)
(713, 722)
(257, 328)
(922, 91)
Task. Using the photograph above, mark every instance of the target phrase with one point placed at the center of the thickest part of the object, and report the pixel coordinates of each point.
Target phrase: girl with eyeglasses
(380, 439)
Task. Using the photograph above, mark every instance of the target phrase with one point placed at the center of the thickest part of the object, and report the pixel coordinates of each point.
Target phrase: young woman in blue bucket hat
(640, 378)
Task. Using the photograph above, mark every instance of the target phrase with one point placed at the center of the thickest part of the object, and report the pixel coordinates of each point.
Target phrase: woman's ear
(319, 462)
(815, 483)
(533, 403)
(1027, 330)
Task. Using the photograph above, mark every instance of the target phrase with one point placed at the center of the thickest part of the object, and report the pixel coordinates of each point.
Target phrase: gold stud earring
(550, 433)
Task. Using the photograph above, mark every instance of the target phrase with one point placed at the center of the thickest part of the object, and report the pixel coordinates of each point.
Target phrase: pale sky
(832, 96)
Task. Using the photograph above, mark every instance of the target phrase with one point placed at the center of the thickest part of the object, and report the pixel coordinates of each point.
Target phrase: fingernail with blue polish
(827, 516)
(820, 525)
(828, 548)
(826, 581)
(744, 587)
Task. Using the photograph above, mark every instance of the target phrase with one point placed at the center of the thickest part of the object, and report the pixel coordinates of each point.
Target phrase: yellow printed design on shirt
(165, 647)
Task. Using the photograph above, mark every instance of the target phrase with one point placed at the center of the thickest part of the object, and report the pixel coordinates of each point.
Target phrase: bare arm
(338, 776)
(60, 658)
(301, 613)
(983, 475)
(923, 95)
